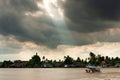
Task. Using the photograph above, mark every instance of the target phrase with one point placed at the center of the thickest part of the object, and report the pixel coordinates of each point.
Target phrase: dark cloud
(106, 9)
(81, 16)
(89, 15)
(10, 24)
(92, 9)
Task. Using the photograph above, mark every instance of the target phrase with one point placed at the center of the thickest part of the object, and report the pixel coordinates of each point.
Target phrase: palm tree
(92, 58)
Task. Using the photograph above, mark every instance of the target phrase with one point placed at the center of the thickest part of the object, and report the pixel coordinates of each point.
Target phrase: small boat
(92, 69)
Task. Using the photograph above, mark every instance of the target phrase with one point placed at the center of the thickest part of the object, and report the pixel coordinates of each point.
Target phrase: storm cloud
(90, 15)
(106, 9)
(87, 21)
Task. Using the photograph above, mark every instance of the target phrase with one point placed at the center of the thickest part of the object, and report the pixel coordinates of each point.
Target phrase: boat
(92, 69)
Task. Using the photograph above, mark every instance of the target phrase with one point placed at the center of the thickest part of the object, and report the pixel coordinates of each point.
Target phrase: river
(58, 74)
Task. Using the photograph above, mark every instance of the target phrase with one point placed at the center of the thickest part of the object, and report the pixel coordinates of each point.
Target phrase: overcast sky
(56, 28)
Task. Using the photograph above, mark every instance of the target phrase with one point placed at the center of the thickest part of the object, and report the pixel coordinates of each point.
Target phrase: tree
(92, 55)
(43, 58)
(78, 60)
(98, 60)
(68, 60)
(92, 58)
(6, 64)
(34, 62)
(36, 59)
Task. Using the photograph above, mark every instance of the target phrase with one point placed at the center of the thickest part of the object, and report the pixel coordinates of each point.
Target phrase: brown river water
(58, 74)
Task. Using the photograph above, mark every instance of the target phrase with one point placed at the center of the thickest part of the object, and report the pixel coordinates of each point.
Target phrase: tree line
(37, 62)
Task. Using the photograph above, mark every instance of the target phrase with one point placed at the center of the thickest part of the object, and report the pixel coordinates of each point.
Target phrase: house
(18, 64)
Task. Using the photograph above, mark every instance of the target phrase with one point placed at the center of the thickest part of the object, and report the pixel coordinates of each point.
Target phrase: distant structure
(36, 53)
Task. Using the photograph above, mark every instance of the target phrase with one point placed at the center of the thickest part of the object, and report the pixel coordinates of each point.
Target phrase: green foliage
(78, 60)
(34, 62)
(6, 64)
(68, 60)
(36, 59)
(92, 58)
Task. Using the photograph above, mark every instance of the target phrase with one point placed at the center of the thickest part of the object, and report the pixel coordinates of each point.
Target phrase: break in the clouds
(52, 23)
